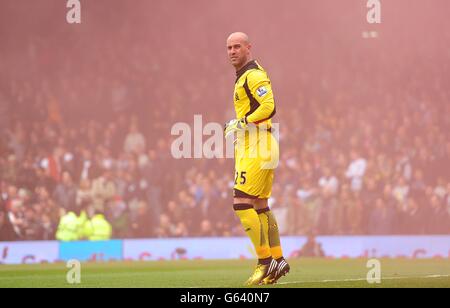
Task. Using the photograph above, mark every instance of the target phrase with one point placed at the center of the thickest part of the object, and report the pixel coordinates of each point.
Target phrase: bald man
(256, 155)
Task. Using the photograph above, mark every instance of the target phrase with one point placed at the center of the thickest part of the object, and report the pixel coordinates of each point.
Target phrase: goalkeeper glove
(235, 126)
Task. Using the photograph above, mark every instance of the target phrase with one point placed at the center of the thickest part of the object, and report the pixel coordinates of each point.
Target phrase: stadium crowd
(366, 172)
(364, 150)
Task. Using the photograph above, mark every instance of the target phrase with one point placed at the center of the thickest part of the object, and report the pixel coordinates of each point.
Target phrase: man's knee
(244, 202)
(261, 204)
(257, 204)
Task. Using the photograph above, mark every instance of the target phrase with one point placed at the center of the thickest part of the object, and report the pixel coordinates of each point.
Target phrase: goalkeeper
(256, 155)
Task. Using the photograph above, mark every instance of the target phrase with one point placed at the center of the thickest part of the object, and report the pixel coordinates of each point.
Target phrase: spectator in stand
(356, 171)
(381, 218)
(6, 229)
(135, 140)
(66, 192)
(103, 190)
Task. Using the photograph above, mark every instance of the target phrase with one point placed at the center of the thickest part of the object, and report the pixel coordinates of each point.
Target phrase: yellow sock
(270, 229)
(252, 226)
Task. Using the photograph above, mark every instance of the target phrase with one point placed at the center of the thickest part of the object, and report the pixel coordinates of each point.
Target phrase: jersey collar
(250, 65)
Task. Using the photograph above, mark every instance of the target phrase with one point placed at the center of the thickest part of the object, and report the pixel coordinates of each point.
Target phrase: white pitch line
(363, 279)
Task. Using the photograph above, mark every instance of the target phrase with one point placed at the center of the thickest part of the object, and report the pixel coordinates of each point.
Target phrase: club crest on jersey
(261, 91)
(236, 96)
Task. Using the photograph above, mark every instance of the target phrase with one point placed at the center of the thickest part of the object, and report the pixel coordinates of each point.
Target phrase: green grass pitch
(322, 273)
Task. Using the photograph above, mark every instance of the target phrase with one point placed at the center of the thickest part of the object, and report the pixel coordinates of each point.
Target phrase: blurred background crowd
(86, 113)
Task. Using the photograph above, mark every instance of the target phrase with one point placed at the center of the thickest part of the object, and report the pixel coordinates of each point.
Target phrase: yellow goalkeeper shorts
(256, 158)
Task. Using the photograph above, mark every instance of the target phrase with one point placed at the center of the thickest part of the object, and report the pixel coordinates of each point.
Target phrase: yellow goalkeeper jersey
(253, 96)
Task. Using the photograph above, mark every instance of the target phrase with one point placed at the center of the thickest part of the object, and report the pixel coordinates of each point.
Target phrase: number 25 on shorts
(242, 179)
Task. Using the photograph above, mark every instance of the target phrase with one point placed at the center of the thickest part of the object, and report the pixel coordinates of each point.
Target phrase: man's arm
(261, 90)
